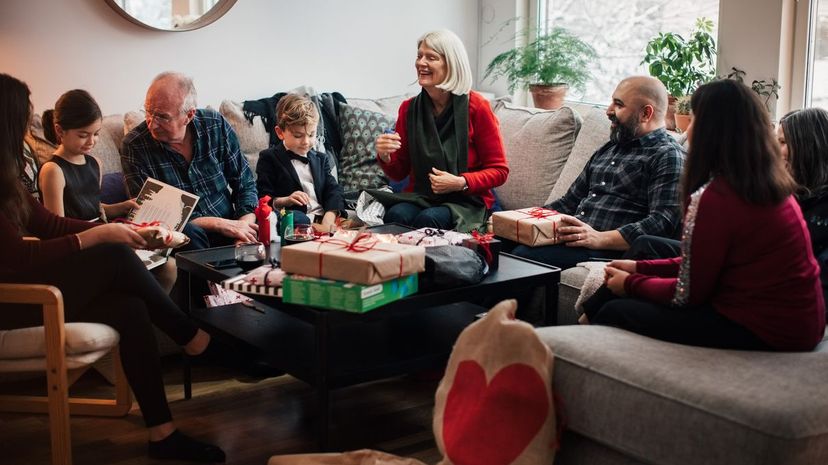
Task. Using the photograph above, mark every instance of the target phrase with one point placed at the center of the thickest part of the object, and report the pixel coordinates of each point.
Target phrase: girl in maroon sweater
(746, 278)
(101, 279)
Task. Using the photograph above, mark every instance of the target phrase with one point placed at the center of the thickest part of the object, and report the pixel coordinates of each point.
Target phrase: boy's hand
(296, 198)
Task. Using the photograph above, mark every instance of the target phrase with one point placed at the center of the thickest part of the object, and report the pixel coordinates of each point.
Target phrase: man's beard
(623, 133)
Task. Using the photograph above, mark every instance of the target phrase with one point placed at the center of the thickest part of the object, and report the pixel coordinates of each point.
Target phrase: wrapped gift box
(350, 297)
(363, 260)
(431, 237)
(480, 244)
(528, 226)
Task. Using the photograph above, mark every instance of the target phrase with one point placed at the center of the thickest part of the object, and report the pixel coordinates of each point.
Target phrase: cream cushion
(253, 137)
(24, 349)
(595, 131)
(538, 144)
(107, 149)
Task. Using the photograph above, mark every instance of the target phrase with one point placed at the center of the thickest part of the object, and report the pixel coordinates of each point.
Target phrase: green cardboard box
(350, 297)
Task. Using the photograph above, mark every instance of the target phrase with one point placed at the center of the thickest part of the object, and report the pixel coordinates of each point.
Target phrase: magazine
(169, 206)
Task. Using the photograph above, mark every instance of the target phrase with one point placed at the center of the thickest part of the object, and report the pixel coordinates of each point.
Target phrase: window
(816, 94)
(619, 31)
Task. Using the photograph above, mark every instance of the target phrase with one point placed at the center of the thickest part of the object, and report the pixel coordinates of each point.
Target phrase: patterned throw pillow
(358, 167)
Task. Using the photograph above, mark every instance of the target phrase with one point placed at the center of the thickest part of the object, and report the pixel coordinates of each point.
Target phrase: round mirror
(171, 15)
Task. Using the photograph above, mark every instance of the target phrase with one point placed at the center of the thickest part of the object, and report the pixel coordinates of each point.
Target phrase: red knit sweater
(18, 255)
(487, 154)
(752, 263)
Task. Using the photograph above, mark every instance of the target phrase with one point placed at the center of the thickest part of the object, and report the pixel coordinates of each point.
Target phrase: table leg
(323, 393)
(185, 359)
(551, 313)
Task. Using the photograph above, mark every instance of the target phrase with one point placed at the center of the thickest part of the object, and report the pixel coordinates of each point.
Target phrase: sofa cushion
(253, 137)
(108, 148)
(538, 143)
(80, 338)
(358, 167)
(595, 129)
(673, 404)
(388, 105)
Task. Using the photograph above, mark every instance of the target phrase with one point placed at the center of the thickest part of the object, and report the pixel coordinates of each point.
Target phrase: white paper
(169, 206)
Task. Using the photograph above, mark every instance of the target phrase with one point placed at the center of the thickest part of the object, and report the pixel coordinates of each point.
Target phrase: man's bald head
(647, 90)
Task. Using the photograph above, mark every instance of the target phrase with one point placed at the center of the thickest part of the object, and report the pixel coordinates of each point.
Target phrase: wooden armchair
(65, 352)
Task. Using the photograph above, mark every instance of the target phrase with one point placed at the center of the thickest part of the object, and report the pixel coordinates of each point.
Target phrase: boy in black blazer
(293, 174)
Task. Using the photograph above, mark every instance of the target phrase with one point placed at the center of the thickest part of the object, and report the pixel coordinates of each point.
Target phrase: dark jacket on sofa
(276, 177)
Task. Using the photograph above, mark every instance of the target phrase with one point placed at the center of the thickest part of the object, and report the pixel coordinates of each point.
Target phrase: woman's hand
(443, 182)
(615, 280)
(386, 144)
(111, 233)
(624, 265)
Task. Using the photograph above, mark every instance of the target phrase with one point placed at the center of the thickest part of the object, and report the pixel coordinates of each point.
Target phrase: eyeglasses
(150, 115)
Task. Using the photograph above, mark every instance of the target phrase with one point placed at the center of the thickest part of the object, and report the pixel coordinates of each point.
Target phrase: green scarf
(445, 148)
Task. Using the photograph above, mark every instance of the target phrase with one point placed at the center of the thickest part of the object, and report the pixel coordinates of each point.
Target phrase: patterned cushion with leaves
(358, 167)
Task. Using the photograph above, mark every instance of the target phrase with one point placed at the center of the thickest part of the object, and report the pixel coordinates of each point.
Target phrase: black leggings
(697, 326)
(108, 284)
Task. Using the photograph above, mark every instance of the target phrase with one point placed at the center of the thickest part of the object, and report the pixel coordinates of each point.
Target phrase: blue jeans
(562, 256)
(200, 238)
(418, 217)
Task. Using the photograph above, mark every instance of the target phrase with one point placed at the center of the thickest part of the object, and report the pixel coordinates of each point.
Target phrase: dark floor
(251, 419)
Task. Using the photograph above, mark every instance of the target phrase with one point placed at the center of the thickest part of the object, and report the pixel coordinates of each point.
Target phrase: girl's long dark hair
(15, 110)
(732, 139)
(806, 134)
(74, 109)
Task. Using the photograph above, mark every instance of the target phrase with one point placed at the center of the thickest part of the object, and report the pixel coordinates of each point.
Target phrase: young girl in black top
(71, 180)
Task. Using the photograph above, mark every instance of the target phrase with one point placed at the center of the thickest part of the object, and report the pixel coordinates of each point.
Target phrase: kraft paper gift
(529, 226)
(363, 260)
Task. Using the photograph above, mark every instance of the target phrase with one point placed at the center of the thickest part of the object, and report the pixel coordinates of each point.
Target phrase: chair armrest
(51, 300)
(39, 294)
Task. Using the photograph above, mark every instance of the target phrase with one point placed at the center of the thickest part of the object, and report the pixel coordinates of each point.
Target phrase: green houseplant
(682, 115)
(683, 64)
(764, 89)
(556, 59)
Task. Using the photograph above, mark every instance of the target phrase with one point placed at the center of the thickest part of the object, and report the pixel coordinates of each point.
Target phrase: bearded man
(629, 187)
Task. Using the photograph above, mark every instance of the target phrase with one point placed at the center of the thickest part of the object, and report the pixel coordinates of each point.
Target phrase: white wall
(363, 48)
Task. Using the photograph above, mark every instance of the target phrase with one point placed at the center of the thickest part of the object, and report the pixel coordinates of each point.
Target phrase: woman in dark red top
(101, 279)
(746, 278)
(447, 142)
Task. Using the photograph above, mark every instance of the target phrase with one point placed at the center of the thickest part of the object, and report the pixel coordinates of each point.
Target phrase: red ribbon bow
(167, 240)
(536, 213)
(484, 242)
(363, 242)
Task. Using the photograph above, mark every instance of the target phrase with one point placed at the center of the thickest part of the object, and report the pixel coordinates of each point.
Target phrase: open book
(169, 206)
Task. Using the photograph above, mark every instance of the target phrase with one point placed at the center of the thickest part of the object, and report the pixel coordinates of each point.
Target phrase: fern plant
(557, 57)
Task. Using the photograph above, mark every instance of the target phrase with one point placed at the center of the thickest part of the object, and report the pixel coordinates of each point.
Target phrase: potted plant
(682, 64)
(764, 89)
(682, 113)
(548, 66)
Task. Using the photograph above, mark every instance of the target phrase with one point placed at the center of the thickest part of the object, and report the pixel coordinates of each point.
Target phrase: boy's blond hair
(296, 110)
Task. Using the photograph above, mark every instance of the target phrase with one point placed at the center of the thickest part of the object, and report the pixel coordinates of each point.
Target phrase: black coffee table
(331, 349)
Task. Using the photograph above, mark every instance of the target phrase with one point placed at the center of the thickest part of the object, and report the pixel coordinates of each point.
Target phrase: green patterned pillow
(358, 167)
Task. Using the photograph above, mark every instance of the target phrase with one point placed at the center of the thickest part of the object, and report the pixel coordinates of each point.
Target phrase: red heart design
(492, 425)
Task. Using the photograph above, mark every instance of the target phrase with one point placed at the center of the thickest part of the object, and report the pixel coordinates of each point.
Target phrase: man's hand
(576, 233)
(240, 230)
(615, 280)
(443, 182)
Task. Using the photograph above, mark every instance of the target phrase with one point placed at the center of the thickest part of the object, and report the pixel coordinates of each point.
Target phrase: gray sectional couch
(626, 399)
